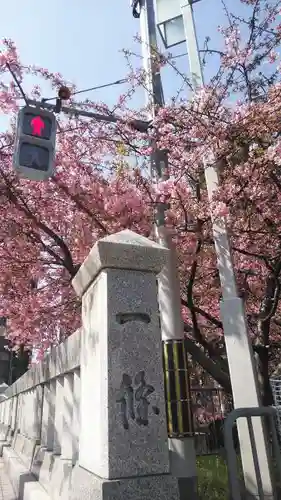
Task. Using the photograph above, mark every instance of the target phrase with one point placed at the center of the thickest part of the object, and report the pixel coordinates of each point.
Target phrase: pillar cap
(123, 250)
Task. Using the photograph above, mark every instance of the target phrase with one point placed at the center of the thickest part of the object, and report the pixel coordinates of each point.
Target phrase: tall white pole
(169, 288)
(238, 346)
(182, 450)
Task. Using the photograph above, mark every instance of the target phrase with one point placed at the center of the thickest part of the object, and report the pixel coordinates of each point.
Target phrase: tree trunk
(213, 368)
(20, 363)
(262, 364)
(267, 311)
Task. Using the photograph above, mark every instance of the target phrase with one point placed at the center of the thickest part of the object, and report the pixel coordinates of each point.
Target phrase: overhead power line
(111, 84)
(97, 87)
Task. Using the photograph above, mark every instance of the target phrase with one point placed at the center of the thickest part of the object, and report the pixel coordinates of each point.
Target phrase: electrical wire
(117, 82)
(111, 84)
(180, 55)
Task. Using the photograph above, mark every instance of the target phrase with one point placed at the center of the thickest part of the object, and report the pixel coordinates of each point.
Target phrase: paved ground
(6, 490)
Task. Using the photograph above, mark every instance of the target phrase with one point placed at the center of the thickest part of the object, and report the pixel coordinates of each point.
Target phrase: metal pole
(238, 346)
(169, 288)
(182, 450)
(139, 125)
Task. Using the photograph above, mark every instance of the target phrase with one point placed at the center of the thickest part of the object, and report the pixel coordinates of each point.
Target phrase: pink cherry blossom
(102, 185)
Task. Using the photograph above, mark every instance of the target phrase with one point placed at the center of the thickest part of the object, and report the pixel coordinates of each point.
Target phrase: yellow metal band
(177, 389)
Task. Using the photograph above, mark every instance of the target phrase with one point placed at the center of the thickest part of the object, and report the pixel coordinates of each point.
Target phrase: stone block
(25, 447)
(34, 491)
(123, 446)
(23, 481)
(10, 436)
(60, 479)
(54, 475)
(46, 468)
(18, 443)
(136, 446)
(123, 423)
(7, 442)
(124, 250)
(3, 444)
(17, 471)
(14, 440)
(37, 461)
(6, 437)
(87, 486)
(48, 417)
(4, 429)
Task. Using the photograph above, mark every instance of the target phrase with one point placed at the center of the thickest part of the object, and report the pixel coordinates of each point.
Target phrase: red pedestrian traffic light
(34, 156)
(37, 125)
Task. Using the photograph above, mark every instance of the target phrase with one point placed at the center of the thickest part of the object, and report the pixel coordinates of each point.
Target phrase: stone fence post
(123, 448)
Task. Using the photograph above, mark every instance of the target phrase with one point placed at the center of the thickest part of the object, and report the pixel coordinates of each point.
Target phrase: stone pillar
(27, 414)
(7, 412)
(38, 410)
(45, 415)
(123, 448)
(10, 418)
(48, 417)
(33, 400)
(3, 411)
(4, 426)
(67, 431)
(59, 402)
(4, 430)
(76, 415)
(14, 413)
(19, 414)
(13, 417)
(7, 416)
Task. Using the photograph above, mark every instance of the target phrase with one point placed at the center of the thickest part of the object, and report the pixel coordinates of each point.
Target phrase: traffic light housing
(34, 154)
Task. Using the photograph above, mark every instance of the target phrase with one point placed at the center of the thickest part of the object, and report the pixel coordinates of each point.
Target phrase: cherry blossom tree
(102, 185)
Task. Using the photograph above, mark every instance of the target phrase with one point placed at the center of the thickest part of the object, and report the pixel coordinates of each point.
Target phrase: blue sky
(82, 40)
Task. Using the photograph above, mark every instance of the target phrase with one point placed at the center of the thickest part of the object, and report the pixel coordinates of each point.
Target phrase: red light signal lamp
(35, 144)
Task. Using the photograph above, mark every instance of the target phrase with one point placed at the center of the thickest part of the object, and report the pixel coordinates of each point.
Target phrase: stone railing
(90, 421)
(40, 422)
